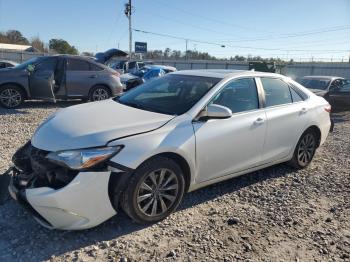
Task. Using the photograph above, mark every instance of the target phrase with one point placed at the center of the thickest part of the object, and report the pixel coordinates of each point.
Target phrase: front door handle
(93, 76)
(259, 121)
(303, 110)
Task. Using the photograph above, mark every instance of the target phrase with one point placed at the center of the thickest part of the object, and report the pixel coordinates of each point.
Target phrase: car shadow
(340, 116)
(120, 225)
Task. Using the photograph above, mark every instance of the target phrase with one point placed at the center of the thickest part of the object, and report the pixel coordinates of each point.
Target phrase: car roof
(323, 77)
(223, 73)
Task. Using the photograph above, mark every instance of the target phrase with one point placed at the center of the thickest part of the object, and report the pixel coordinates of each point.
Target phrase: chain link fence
(292, 70)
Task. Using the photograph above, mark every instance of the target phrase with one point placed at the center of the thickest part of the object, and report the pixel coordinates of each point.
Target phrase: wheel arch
(26, 95)
(317, 131)
(101, 84)
(181, 161)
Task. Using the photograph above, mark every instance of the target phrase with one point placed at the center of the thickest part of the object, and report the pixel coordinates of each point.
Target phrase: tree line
(59, 46)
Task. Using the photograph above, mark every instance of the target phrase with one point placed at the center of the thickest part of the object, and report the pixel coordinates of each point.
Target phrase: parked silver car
(57, 77)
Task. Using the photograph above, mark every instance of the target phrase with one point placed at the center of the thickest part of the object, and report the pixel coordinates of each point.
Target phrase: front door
(226, 146)
(41, 79)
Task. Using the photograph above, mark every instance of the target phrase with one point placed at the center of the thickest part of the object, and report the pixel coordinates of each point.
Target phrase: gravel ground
(277, 214)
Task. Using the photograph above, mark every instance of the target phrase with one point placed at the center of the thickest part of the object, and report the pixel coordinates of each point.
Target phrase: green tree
(13, 37)
(62, 47)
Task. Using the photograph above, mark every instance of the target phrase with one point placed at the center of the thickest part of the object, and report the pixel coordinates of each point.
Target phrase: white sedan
(145, 149)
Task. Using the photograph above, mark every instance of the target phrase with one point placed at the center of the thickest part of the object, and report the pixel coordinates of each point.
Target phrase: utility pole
(186, 49)
(127, 12)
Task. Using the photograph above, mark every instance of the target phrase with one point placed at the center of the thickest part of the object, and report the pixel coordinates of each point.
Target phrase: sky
(298, 29)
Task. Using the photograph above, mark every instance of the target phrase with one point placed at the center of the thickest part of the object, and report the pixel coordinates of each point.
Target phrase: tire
(305, 150)
(99, 93)
(150, 198)
(11, 96)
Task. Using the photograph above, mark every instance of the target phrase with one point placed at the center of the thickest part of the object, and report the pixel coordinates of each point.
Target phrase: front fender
(175, 137)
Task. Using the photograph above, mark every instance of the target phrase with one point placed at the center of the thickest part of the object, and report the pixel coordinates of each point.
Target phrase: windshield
(311, 83)
(28, 62)
(171, 94)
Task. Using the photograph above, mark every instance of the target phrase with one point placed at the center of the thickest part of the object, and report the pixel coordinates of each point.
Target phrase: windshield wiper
(144, 107)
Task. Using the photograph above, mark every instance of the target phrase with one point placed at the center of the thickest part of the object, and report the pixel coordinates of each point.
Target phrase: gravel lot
(277, 214)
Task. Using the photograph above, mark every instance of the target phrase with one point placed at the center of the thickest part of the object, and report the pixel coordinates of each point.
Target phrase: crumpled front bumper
(82, 204)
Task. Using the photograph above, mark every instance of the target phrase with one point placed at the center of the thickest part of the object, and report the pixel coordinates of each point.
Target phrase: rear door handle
(259, 121)
(93, 76)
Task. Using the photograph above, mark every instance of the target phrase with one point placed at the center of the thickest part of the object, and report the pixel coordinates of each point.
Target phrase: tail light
(116, 74)
(328, 108)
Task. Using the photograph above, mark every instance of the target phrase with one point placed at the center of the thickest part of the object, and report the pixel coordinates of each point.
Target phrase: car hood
(318, 92)
(126, 77)
(94, 124)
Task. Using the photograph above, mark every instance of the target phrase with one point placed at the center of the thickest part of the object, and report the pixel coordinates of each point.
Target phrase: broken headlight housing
(83, 158)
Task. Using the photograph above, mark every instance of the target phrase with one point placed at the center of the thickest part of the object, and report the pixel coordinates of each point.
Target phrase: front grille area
(38, 171)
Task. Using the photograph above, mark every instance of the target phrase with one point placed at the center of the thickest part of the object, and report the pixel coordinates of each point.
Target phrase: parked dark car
(262, 66)
(336, 90)
(7, 64)
(146, 73)
(58, 77)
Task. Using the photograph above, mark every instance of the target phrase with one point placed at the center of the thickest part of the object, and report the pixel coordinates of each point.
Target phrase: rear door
(79, 78)
(287, 118)
(41, 80)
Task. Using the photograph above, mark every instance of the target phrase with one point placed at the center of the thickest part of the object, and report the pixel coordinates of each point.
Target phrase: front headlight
(83, 158)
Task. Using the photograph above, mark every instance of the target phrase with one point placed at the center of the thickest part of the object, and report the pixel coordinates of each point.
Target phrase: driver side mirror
(214, 111)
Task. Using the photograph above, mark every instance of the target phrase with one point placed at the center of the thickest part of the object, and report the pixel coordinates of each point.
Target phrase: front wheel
(305, 150)
(11, 96)
(154, 191)
(99, 93)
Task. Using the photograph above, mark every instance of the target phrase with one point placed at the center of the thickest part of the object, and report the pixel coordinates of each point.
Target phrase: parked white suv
(169, 136)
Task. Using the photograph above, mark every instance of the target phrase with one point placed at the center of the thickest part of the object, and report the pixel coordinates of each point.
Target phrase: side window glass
(77, 65)
(295, 96)
(94, 67)
(2, 65)
(345, 87)
(132, 65)
(48, 64)
(276, 92)
(239, 96)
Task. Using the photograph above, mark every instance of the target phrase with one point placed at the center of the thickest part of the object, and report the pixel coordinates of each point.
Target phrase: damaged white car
(145, 149)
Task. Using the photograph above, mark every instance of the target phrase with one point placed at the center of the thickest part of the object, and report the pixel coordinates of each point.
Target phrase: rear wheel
(305, 150)
(11, 96)
(99, 93)
(154, 191)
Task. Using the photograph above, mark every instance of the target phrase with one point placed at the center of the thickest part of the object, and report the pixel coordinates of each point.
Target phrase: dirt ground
(276, 214)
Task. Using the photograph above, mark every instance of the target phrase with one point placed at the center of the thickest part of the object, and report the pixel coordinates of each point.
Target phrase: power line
(298, 34)
(236, 46)
(178, 37)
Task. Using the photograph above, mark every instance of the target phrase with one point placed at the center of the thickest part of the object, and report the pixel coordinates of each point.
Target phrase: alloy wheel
(100, 94)
(306, 149)
(157, 192)
(10, 97)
